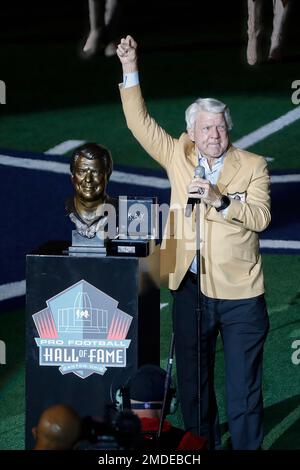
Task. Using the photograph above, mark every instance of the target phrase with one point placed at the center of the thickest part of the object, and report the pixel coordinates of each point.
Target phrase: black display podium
(91, 322)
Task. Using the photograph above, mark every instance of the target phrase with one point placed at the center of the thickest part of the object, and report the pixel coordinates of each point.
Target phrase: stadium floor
(281, 376)
(62, 97)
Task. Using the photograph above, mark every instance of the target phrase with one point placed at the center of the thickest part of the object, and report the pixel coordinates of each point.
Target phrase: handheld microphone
(199, 173)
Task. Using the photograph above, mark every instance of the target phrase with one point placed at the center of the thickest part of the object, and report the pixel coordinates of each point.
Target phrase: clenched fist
(126, 52)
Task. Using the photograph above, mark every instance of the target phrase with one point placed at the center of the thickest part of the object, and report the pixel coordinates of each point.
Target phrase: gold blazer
(230, 260)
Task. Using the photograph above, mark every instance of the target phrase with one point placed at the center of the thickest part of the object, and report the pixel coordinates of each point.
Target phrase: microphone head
(199, 171)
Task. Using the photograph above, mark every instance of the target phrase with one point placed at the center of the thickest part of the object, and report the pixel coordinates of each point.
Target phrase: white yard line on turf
(12, 289)
(284, 244)
(16, 289)
(63, 168)
(117, 176)
(265, 131)
(64, 147)
(155, 182)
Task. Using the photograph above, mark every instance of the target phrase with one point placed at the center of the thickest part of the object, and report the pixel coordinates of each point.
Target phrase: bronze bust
(91, 166)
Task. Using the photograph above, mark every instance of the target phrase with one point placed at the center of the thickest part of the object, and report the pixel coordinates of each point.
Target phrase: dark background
(65, 18)
(68, 19)
(42, 66)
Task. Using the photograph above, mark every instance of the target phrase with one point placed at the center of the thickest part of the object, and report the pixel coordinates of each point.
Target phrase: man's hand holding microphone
(200, 188)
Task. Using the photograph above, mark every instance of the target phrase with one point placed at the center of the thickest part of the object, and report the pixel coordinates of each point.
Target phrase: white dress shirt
(212, 176)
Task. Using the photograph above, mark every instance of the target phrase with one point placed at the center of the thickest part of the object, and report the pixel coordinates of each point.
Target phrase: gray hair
(210, 105)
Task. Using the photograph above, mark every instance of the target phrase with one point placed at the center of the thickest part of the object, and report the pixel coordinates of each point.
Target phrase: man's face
(210, 134)
(89, 179)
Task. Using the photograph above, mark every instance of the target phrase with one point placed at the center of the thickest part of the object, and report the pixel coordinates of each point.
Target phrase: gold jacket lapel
(230, 168)
(191, 154)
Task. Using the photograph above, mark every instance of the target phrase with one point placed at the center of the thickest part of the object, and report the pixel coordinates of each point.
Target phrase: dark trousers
(243, 325)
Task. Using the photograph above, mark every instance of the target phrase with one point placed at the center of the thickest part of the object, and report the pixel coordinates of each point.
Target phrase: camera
(118, 431)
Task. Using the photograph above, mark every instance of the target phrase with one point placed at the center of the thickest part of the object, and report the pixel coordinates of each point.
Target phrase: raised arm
(155, 140)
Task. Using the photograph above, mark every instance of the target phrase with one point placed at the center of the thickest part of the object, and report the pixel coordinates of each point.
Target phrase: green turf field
(83, 99)
(55, 96)
(281, 376)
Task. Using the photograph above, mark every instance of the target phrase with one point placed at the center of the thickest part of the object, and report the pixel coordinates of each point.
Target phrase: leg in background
(255, 31)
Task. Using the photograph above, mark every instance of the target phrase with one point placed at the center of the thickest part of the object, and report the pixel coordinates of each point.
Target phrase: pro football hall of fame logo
(82, 331)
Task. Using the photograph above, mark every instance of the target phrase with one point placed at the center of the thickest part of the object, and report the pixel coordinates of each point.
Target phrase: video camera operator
(117, 431)
(144, 394)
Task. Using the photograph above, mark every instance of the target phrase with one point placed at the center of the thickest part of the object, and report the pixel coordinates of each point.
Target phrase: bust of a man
(91, 166)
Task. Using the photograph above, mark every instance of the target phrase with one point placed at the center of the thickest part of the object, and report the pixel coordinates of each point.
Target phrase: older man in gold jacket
(234, 189)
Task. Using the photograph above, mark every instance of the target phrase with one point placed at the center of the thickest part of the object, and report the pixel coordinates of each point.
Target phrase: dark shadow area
(69, 18)
(281, 426)
(186, 48)
(13, 334)
(284, 218)
(52, 247)
(287, 414)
